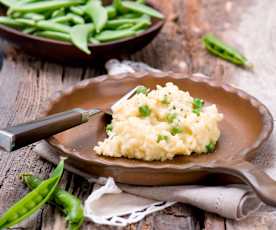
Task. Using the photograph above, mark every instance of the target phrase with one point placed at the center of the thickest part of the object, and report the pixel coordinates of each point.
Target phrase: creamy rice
(160, 125)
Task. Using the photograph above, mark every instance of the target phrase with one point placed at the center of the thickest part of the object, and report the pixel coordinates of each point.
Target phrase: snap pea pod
(79, 35)
(113, 24)
(141, 8)
(54, 35)
(119, 6)
(111, 35)
(228, 53)
(8, 3)
(7, 21)
(97, 13)
(29, 30)
(93, 41)
(33, 201)
(25, 22)
(125, 26)
(79, 10)
(140, 25)
(44, 6)
(53, 26)
(32, 16)
(111, 11)
(58, 13)
(62, 19)
(70, 205)
(76, 19)
(130, 16)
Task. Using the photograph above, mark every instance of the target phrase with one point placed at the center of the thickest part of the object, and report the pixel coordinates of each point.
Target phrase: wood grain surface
(26, 82)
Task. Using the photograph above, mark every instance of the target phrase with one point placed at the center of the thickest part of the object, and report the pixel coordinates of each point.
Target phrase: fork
(23, 134)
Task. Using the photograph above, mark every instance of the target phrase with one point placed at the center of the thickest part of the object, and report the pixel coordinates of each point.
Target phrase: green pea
(162, 138)
(79, 35)
(210, 147)
(97, 13)
(109, 128)
(197, 106)
(144, 111)
(94, 41)
(125, 26)
(171, 117)
(142, 89)
(165, 100)
(175, 130)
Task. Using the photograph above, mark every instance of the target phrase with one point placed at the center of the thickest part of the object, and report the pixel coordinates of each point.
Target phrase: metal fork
(23, 134)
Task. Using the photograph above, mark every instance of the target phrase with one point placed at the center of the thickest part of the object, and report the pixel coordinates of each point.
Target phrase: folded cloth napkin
(120, 204)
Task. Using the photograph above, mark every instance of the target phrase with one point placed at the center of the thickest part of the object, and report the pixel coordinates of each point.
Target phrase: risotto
(160, 124)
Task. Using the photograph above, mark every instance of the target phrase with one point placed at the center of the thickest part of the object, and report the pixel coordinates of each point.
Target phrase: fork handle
(27, 133)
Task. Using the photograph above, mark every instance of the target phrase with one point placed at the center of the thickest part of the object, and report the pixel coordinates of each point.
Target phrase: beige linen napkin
(120, 204)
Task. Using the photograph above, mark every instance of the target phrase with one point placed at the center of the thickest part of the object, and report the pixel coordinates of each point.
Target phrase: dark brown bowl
(65, 52)
(246, 125)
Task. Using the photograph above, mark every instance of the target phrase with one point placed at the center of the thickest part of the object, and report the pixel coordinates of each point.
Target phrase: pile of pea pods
(80, 22)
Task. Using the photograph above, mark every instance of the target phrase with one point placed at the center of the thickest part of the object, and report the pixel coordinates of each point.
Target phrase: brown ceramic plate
(65, 52)
(246, 125)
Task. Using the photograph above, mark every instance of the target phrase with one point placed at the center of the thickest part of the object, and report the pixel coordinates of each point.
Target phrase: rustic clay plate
(65, 52)
(246, 125)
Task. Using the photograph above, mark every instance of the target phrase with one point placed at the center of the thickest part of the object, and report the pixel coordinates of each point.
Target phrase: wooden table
(26, 82)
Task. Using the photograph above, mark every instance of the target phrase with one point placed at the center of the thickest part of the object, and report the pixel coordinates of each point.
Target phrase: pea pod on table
(69, 204)
(226, 52)
(33, 201)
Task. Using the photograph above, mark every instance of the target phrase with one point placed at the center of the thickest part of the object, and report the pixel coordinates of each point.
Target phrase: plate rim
(265, 133)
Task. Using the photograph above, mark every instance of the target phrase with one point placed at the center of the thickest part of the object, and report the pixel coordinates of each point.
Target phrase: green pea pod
(125, 26)
(79, 35)
(69, 204)
(93, 41)
(26, 22)
(53, 26)
(44, 6)
(33, 201)
(119, 6)
(54, 35)
(76, 19)
(62, 19)
(226, 52)
(141, 1)
(7, 21)
(111, 35)
(97, 13)
(141, 8)
(79, 10)
(111, 11)
(141, 26)
(58, 13)
(130, 16)
(113, 24)
(34, 16)
(29, 30)
(8, 3)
